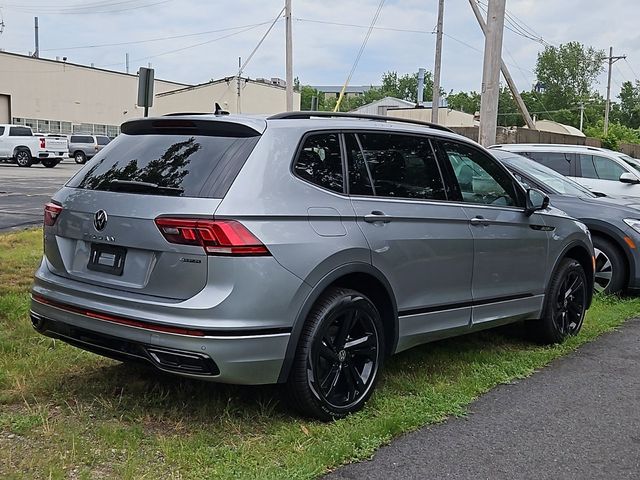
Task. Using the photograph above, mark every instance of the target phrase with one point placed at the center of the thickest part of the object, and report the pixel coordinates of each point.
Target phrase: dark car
(614, 222)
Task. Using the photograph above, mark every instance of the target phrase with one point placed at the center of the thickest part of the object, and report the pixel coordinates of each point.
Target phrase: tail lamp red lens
(42, 143)
(51, 213)
(217, 237)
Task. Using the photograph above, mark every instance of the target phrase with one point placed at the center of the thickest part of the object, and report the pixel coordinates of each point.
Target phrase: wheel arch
(583, 255)
(17, 148)
(362, 277)
(617, 239)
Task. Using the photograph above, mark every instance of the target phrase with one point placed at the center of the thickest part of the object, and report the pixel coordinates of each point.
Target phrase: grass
(65, 413)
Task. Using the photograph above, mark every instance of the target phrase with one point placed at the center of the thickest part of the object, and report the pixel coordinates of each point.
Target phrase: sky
(324, 52)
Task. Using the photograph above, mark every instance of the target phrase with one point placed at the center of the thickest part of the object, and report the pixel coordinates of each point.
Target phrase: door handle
(480, 221)
(377, 216)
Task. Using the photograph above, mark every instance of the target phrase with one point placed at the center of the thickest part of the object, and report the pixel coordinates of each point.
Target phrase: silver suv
(84, 147)
(302, 248)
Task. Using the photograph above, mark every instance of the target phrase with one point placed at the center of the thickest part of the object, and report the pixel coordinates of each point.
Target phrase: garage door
(5, 109)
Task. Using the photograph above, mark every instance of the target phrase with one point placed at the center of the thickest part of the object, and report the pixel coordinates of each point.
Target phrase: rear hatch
(102, 226)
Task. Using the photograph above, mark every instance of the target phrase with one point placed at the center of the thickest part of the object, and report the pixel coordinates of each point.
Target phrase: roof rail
(381, 118)
(177, 114)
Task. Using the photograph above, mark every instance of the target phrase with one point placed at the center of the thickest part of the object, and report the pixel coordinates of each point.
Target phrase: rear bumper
(232, 358)
(57, 155)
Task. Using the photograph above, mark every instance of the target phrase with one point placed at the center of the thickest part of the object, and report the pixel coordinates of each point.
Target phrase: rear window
(82, 139)
(20, 132)
(103, 140)
(167, 164)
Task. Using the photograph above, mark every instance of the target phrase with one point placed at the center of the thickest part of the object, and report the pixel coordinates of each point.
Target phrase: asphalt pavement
(24, 191)
(578, 418)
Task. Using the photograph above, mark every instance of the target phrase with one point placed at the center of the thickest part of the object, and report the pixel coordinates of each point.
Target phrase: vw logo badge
(100, 220)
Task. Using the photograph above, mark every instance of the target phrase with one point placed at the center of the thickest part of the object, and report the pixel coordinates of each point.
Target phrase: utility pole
(238, 89)
(581, 115)
(491, 73)
(505, 72)
(126, 62)
(36, 54)
(288, 55)
(435, 104)
(607, 107)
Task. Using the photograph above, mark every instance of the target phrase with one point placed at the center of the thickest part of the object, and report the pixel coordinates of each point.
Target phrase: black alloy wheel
(570, 304)
(339, 356)
(565, 304)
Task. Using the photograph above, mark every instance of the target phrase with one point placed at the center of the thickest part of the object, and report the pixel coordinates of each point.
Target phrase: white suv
(598, 169)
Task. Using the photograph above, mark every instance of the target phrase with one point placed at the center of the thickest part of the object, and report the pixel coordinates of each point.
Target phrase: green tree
(405, 86)
(617, 133)
(568, 74)
(306, 93)
(468, 102)
(628, 112)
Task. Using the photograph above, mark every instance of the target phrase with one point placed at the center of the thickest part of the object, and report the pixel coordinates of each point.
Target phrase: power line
(362, 47)
(157, 39)
(79, 10)
(631, 68)
(391, 29)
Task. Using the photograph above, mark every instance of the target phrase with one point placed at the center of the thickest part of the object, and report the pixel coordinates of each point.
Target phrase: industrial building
(54, 96)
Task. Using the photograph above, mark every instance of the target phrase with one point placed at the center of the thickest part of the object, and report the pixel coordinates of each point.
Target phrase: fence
(526, 135)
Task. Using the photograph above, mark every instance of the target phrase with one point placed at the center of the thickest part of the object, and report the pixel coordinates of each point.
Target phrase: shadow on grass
(135, 391)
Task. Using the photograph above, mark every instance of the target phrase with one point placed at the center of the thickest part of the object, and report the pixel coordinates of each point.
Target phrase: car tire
(610, 270)
(565, 305)
(23, 157)
(80, 158)
(339, 356)
(49, 163)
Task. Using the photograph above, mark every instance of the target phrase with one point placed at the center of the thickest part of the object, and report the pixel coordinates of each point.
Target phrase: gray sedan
(614, 222)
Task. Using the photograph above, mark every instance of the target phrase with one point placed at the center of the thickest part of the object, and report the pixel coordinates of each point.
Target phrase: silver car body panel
(444, 275)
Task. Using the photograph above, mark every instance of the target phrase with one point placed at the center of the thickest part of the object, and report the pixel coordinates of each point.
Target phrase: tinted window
(1, 130)
(359, 175)
(82, 139)
(593, 166)
(560, 162)
(480, 178)
(180, 165)
(320, 161)
(20, 132)
(400, 166)
(103, 140)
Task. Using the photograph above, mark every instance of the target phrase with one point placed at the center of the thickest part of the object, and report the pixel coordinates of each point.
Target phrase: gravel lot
(23, 192)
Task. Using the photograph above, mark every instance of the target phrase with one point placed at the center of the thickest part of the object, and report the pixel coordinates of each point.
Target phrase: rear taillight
(42, 143)
(217, 237)
(51, 213)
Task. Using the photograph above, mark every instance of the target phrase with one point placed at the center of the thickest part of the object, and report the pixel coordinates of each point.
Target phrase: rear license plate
(107, 259)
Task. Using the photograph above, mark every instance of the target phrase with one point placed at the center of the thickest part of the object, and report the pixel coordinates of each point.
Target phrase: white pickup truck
(19, 145)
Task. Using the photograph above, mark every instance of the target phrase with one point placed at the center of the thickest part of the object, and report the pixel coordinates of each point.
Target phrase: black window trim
(427, 137)
(451, 177)
(298, 151)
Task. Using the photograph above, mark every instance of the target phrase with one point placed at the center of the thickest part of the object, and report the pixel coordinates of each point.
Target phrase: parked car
(598, 169)
(19, 145)
(84, 147)
(300, 248)
(614, 223)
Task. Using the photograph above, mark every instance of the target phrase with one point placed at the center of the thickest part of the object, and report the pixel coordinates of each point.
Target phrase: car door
(420, 242)
(602, 174)
(510, 248)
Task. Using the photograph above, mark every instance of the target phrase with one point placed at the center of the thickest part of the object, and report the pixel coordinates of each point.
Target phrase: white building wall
(255, 97)
(446, 117)
(56, 91)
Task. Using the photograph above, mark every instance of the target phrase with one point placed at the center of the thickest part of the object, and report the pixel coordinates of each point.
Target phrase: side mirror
(536, 200)
(628, 177)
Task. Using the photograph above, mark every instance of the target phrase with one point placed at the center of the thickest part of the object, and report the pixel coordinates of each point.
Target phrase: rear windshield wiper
(134, 186)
